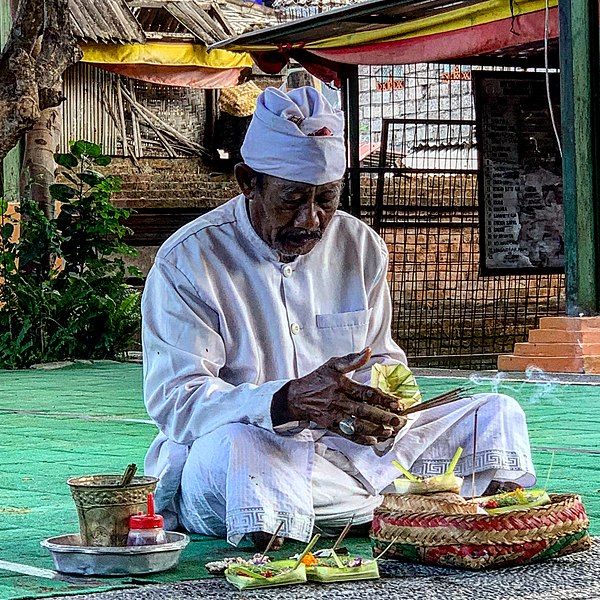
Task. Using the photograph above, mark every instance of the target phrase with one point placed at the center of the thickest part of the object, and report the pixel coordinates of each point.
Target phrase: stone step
(551, 364)
(573, 350)
(571, 323)
(591, 365)
(560, 336)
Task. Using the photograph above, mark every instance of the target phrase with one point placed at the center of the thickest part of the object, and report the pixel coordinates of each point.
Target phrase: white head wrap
(297, 136)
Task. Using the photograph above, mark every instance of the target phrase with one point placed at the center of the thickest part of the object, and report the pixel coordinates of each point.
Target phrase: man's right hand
(327, 396)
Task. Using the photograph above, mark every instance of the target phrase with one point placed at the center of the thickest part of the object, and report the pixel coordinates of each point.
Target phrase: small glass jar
(146, 536)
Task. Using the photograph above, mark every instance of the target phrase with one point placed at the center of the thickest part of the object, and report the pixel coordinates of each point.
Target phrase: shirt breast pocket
(343, 333)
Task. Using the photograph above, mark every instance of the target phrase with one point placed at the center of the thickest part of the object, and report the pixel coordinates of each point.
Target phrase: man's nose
(307, 217)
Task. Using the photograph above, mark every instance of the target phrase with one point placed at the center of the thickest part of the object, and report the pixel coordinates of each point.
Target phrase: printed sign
(520, 173)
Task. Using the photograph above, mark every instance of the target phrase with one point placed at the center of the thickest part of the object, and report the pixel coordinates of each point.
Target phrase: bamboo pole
(122, 119)
(137, 136)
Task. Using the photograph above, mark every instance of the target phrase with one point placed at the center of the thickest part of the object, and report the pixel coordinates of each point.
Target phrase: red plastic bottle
(147, 529)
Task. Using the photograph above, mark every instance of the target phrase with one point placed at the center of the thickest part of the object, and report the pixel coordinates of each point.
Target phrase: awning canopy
(178, 64)
(407, 31)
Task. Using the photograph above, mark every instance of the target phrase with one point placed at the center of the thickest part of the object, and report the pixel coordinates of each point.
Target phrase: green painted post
(580, 99)
(11, 164)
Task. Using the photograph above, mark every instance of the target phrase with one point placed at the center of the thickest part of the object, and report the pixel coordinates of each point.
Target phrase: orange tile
(556, 349)
(551, 364)
(559, 336)
(570, 323)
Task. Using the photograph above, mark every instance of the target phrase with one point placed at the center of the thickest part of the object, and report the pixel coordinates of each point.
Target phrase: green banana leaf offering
(336, 568)
(398, 381)
(276, 573)
(264, 573)
(513, 501)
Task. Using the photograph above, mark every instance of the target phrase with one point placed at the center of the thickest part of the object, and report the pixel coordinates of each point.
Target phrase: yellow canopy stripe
(164, 54)
(462, 18)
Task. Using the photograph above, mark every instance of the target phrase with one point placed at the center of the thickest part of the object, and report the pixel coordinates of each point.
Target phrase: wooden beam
(352, 111)
(580, 67)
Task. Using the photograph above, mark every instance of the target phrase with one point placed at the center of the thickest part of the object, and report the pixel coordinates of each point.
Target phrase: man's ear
(246, 178)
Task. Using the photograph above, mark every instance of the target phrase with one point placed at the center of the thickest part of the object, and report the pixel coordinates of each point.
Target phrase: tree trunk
(39, 49)
(41, 143)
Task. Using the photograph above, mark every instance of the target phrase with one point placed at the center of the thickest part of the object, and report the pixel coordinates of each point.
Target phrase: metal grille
(419, 190)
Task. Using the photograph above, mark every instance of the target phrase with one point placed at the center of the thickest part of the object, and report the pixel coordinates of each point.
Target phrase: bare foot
(260, 539)
(497, 487)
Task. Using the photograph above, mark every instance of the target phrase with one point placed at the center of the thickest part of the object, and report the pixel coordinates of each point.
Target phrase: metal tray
(71, 557)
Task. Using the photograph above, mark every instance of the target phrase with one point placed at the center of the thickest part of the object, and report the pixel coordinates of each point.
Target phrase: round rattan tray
(475, 541)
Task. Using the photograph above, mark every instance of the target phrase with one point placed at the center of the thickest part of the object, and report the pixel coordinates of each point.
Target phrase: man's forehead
(286, 185)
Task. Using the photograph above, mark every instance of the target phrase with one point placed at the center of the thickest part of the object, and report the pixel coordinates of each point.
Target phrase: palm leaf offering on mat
(264, 573)
(333, 568)
(335, 564)
(277, 573)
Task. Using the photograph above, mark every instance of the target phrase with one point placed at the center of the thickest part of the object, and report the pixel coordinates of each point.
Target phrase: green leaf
(61, 191)
(3, 206)
(92, 178)
(66, 160)
(134, 272)
(83, 148)
(7, 230)
(103, 161)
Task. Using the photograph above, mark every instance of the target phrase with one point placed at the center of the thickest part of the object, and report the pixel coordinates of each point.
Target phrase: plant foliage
(63, 290)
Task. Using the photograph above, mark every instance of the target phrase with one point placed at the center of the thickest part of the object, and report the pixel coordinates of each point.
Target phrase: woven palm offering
(239, 101)
(396, 380)
(423, 531)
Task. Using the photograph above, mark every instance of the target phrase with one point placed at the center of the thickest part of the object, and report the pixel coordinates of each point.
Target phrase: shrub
(63, 290)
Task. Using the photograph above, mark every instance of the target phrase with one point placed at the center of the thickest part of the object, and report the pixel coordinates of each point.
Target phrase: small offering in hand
(398, 381)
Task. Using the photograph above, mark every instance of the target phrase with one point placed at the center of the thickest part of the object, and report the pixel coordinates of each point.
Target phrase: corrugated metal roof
(105, 21)
(321, 5)
(206, 21)
(244, 16)
(353, 18)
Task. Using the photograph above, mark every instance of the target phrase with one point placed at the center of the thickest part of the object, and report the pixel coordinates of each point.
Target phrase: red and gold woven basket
(474, 541)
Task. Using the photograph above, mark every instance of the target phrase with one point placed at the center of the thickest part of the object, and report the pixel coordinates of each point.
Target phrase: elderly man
(262, 320)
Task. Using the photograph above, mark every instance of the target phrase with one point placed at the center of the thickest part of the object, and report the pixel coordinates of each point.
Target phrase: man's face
(290, 216)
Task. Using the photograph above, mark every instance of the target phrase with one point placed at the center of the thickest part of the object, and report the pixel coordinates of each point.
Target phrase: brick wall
(171, 183)
(166, 193)
(441, 305)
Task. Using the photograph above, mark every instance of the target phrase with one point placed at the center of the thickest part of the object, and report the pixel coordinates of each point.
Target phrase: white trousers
(241, 478)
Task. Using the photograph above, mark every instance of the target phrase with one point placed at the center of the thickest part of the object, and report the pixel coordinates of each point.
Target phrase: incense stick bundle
(441, 400)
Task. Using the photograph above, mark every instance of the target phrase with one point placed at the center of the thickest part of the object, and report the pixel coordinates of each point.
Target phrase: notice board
(520, 173)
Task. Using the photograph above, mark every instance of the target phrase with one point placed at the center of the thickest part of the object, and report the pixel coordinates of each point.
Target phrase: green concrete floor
(90, 418)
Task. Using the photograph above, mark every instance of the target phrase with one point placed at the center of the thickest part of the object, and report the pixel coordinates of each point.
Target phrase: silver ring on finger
(348, 426)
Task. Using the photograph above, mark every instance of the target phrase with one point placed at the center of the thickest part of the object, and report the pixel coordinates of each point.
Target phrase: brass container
(104, 508)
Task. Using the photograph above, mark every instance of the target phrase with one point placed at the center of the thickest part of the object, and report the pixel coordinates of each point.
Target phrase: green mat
(90, 418)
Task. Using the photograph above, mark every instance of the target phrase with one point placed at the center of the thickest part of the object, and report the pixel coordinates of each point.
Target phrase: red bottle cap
(147, 521)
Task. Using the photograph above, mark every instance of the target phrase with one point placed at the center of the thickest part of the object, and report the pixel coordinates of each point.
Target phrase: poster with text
(520, 173)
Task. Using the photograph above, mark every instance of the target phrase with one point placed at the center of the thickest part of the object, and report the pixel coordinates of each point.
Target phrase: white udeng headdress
(297, 136)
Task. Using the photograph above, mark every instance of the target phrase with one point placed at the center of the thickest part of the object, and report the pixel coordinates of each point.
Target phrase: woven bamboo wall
(91, 112)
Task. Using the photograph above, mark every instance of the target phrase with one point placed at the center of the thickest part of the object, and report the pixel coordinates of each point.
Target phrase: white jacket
(226, 324)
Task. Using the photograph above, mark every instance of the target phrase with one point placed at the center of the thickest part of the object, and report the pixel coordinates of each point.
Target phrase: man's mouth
(301, 238)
